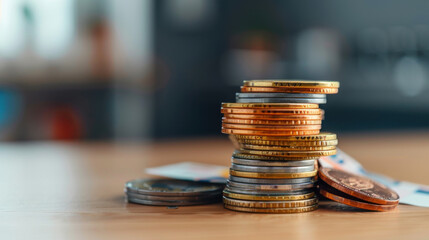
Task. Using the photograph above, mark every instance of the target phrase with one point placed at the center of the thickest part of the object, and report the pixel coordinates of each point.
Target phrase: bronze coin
(292, 83)
(322, 136)
(269, 133)
(285, 148)
(269, 158)
(272, 122)
(289, 90)
(315, 154)
(337, 196)
(272, 111)
(358, 186)
(270, 105)
(242, 142)
(274, 117)
(271, 127)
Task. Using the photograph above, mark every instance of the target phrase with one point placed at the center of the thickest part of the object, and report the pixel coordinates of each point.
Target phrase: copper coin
(272, 111)
(271, 127)
(290, 83)
(286, 148)
(321, 136)
(337, 196)
(358, 186)
(243, 142)
(269, 158)
(271, 122)
(269, 133)
(290, 90)
(270, 105)
(308, 154)
(274, 117)
(272, 175)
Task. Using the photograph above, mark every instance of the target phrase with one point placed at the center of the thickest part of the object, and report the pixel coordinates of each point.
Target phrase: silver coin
(281, 100)
(268, 193)
(269, 187)
(245, 168)
(279, 95)
(170, 203)
(250, 162)
(171, 187)
(272, 181)
(174, 198)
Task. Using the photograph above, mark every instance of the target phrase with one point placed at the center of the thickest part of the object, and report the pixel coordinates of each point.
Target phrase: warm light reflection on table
(70, 191)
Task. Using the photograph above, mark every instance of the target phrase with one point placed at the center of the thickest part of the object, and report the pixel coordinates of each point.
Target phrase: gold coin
(269, 158)
(272, 122)
(289, 90)
(287, 148)
(242, 142)
(272, 111)
(269, 133)
(271, 127)
(274, 117)
(291, 83)
(270, 105)
(290, 153)
(268, 198)
(321, 136)
(270, 204)
(272, 175)
(272, 210)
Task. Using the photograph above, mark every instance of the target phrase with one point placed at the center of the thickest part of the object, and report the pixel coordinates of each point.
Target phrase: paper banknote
(409, 193)
(192, 171)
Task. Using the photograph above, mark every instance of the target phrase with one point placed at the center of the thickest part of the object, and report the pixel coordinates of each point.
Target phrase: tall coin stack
(275, 126)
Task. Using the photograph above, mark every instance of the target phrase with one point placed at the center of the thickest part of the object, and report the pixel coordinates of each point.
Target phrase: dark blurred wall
(125, 69)
(377, 50)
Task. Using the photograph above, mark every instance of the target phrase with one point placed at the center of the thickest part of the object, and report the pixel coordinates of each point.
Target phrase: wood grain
(75, 191)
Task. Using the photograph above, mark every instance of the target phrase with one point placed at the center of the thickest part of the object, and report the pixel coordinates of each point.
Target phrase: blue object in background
(10, 107)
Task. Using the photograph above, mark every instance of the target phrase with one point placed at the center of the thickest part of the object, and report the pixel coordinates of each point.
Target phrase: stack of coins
(356, 191)
(171, 192)
(275, 127)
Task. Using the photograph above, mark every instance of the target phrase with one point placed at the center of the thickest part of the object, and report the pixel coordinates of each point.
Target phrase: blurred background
(146, 69)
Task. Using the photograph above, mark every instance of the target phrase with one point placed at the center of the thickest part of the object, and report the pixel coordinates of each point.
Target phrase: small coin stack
(172, 192)
(356, 191)
(275, 126)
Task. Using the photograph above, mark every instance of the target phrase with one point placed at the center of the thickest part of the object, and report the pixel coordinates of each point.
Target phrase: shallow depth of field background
(157, 69)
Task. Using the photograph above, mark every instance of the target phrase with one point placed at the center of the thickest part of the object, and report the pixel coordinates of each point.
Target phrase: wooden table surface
(75, 191)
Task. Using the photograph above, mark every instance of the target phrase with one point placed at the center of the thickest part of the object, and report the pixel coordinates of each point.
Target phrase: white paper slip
(409, 193)
(192, 171)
